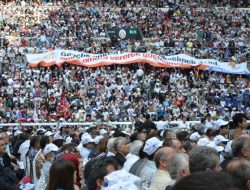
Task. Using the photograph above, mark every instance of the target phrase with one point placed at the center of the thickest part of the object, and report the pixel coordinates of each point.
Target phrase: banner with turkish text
(58, 57)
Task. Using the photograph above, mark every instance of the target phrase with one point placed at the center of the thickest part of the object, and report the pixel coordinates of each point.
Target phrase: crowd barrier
(173, 123)
(90, 123)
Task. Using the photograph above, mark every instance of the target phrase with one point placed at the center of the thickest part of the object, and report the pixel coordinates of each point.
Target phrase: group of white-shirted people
(162, 149)
(214, 156)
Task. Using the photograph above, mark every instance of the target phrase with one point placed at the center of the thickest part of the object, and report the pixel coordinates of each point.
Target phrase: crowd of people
(120, 93)
(112, 158)
(173, 153)
(178, 28)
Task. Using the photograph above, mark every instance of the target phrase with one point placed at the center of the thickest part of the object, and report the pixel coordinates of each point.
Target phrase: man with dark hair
(98, 169)
(207, 181)
(7, 177)
(40, 158)
(209, 123)
(240, 125)
(175, 144)
(203, 159)
(148, 124)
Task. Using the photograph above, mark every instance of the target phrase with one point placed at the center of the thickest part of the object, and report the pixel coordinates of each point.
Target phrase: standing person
(7, 178)
(61, 176)
(40, 158)
(162, 178)
(140, 75)
(209, 122)
(121, 145)
(223, 129)
(148, 124)
(49, 152)
(241, 148)
(33, 150)
(208, 181)
(204, 159)
(145, 167)
(71, 153)
(86, 145)
(240, 124)
(178, 168)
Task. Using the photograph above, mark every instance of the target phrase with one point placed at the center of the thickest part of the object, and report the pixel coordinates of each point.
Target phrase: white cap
(219, 138)
(41, 129)
(17, 133)
(195, 136)
(213, 145)
(48, 133)
(121, 180)
(111, 133)
(68, 140)
(219, 148)
(103, 131)
(220, 123)
(86, 138)
(152, 145)
(203, 141)
(50, 148)
(98, 138)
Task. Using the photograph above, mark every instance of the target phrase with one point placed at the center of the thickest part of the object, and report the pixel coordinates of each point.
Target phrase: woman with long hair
(62, 176)
(70, 152)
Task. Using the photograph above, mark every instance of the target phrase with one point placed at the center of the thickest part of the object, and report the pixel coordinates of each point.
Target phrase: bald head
(234, 164)
(177, 145)
(240, 170)
(245, 135)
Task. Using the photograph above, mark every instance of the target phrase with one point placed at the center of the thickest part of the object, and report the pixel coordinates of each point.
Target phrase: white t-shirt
(24, 147)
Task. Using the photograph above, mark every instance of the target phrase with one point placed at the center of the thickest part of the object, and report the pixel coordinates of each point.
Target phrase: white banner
(58, 57)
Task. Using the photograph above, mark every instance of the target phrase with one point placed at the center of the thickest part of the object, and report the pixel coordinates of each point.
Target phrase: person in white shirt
(183, 123)
(24, 147)
(161, 124)
(139, 74)
(133, 155)
(162, 178)
(209, 122)
(86, 145)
